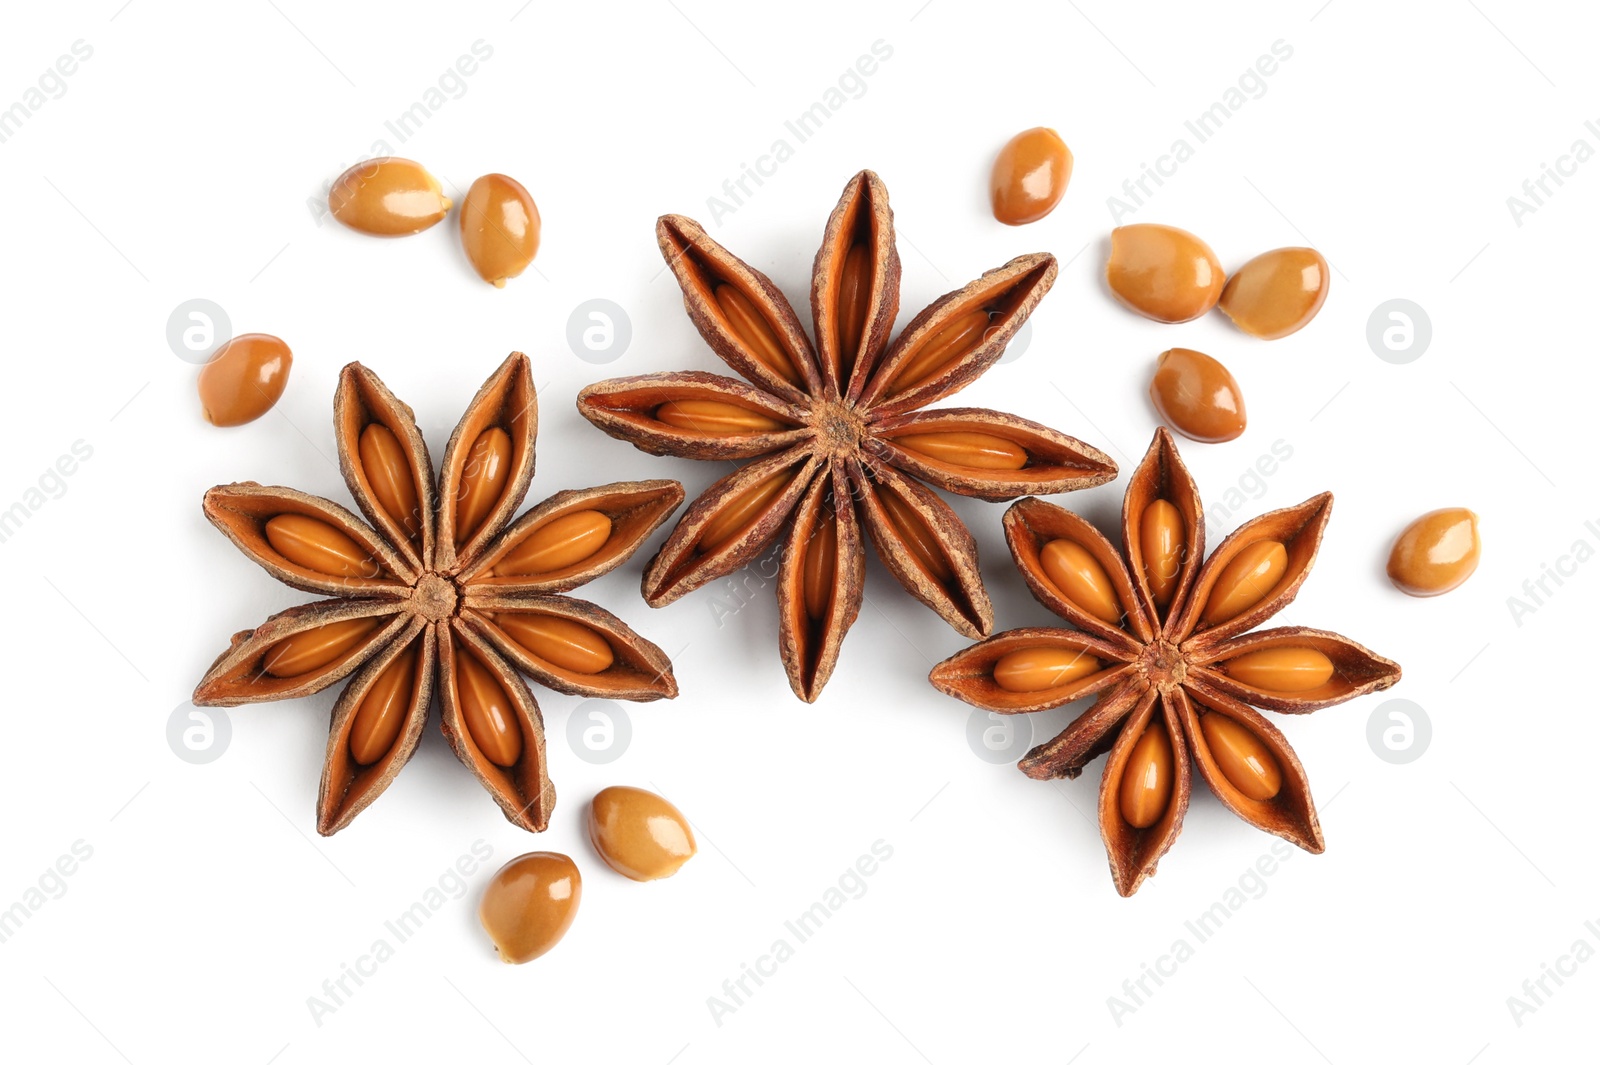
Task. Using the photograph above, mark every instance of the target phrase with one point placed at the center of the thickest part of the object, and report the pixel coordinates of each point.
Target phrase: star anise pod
(444, 589)
(837, 430)
(1166, 642)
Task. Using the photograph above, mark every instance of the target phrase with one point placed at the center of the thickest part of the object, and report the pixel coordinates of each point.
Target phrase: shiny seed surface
(564, 643)
(1281, 669)
(529, 905)
(1246, 580)
(639, 834)
(758, 337)
(956, 339)
(855, 290)
(317, 546)
(388, 472)
(388, 197)
(1030, 176)
(244, 379)
(917, 537)
(978, 451)
(487, 709)
(1243, 759)
(558, 544)
(1277, 293)
(740, 513)
(817, 571)
(1147, 778)
(1163, 272)
(715, 416)
(1079, 577)
(1436, 553)
(483, 480)
(499, 228)
(1037, 669)
(314, 648)
(1161, 534)
(1197, 396)
(383, 709)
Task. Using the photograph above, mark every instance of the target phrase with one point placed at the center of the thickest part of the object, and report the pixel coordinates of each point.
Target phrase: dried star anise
(443, 582)
(840, 441)
(1166, 643)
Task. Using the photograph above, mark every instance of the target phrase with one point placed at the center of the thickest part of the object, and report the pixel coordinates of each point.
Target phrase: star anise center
(434, 597)
(838, 426)
(1164, 665)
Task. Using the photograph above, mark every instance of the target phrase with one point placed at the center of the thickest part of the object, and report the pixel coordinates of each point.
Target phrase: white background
(178, 164)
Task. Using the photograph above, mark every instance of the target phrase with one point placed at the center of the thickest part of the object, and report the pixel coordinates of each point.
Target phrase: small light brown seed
(499, 228)
(529, 905)
(741, 512)
(558, 544)
(1246, 580)
(1436, 553)
(1080, 578)
(756, 333)
(1163, 272)
(383, 709)
(1037, 669)
(916, 536)
(639, 834)
(818, 569)
(715, 417)
(855, 291)
(564, 643)
(307, 651)
(388, 472)
(243, 380)
(388, 197)
(1196, 395)
(1244, 760)
(1030, 176)
(978, 451)
(964, 333)
(1161, 535)
(1281, 669)
(487, 709)
(1276, 293)
(1147, 778)
(313, 544)
(483, 480)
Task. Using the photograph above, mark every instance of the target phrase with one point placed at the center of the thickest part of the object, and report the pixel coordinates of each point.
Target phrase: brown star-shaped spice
(443, 588)
(837, 431)
(1166, 644)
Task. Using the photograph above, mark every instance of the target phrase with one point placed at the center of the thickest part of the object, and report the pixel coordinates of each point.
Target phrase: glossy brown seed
(714, 416)
(564, 643)
(1147, 778)
(979, 451)
(1243, 759)
(1281, 669)
(383, 709)
(943, 348)
(1196, 395)
(1436, 553)
(639, 834)
(1246, 580)
(314, 648)
(1080, 578)
(529, 905)
(319, 547)
(558, 544)
(388, 471)
(499, 228)
(388, 197)
(1161, 535)
(1276, 293)
(483, 479)
(244, 379)
(756, 335)
(817, 576)
(1030, 176)
(740, 513)
(916, 535)
(1037, 669)
(855, 291)
(487, 709)
(1163, 272)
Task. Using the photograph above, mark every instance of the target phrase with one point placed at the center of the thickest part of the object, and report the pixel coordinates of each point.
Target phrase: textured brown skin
(433, 592)
(843, 429)
(1162, 667)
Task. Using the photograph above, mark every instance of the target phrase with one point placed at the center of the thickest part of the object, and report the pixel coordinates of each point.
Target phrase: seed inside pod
(564, 643)
(1147, 778)
(960, 336)
(388, 197)
(1196, 395)
(243, 380)
(739, 513)
(312, 649)
(1030, 176)
(558, 544)
(317, 546)
(755, 332)
(487, 709)
(817, 579)
(1161, 546)
(383, 709)
(916, 536)
(855, 291)
(1246, 580)
(499, 228)
(483, 479)
(1079, 577)
(529, 905)
(1276, 293)
(1281, 669)
(979, 451)
(1243, 759)
(639, 834)
(1037, 669)
(388, 471)
(1436, 553)
(715, 416)
(1163, 272)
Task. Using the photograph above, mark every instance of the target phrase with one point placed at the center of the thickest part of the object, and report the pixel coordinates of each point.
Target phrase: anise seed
(562, 642)
(317, 546)
(1080, 578)
(1243, 759)
(486, 708)
(564, 542)
(757, 335)
(916, 535)
(483, 478)
(383, 709)
(1246, 580)
(1037, 669)
(1281, 669)
(979, 451)
(389, 473)
(715, 416)
(314, 648)
(1147, 777)
(855, 290)
(963, 334)
(741, 512)
(818, 570)
(1161, 547)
